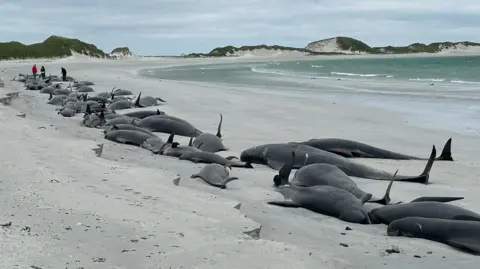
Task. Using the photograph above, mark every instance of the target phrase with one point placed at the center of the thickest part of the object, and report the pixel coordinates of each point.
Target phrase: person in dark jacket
(64, 74)
(42, 72)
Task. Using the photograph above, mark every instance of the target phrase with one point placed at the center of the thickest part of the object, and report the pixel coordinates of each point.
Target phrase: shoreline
(274, 56)
(371, 92)
(301, 239)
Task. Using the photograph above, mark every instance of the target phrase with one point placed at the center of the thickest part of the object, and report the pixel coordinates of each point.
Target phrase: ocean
(433, 92)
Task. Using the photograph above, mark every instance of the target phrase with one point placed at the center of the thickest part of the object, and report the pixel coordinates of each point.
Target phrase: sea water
(435, 92)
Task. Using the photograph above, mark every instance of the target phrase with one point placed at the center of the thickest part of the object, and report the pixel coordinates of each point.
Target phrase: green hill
(423, 48)
(54, 46)
(348, 43)
(337, 46)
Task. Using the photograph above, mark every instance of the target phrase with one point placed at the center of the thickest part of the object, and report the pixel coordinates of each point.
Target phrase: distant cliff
(350, 45)
(339, 45)
(121, 52)
(54, 46)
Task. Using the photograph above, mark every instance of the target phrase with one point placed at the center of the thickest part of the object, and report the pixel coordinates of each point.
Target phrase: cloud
(156, 27)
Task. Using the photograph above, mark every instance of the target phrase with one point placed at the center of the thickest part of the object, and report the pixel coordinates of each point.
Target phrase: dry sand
(71, 209)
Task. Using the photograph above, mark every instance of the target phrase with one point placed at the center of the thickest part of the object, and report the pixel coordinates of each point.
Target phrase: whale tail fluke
(224, 185)
(425, 175)
(446, 152)
(385, 200)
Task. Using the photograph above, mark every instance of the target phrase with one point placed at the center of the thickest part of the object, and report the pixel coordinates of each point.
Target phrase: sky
(173, 27)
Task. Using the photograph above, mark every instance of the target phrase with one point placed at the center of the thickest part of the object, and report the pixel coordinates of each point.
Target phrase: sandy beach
(69, 208)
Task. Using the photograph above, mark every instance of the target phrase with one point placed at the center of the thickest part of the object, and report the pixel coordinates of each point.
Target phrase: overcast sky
(167, 27)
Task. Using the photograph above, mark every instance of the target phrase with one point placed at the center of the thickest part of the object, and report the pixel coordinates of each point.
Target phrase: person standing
(42, 72)
(64, 74)
(34, 71)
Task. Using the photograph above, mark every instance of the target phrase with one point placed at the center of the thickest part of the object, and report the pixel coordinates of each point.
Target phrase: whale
(323, 174)
(277, 155)
(209, 142)
(123, 126)
(464, 235)
(141, 114)
(424, 209)
(354, 149)
(169, 124)
(208, 157)
(326, 200)
(130, 137)
(215, 174)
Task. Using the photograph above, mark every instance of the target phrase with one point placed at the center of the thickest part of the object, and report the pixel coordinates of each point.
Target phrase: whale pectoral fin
(365, 198)
(286, 203)
(274, 164)
(194, 176)
(467, 243)
(466, 217)
(176, 181)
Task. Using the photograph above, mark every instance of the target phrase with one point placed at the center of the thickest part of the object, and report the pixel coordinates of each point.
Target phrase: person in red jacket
(34, 71)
